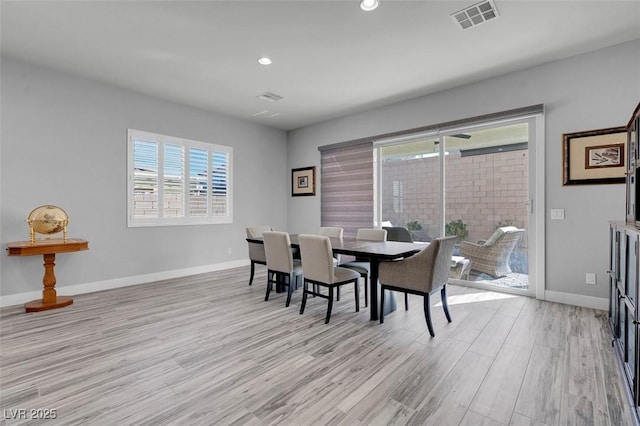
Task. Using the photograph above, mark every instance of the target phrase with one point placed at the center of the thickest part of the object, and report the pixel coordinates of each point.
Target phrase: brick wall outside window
(485, 191)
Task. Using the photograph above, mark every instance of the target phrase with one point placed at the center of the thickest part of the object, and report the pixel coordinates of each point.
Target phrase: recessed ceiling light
(369, 5)
(264, 61)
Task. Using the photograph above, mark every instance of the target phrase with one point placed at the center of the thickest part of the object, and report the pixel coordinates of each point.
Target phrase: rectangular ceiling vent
(271, 97)
(475, 15)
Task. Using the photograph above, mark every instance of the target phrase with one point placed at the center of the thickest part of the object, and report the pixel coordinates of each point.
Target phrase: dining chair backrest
(256, 250)
(331, 231)
(434, 263)
(317, 258)
(371, 234)
(277, 246)
(397, 233)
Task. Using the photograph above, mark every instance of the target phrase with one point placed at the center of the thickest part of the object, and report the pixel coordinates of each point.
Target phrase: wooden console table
(47, 248)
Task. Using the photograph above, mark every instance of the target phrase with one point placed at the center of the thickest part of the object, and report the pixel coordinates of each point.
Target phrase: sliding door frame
(536, 196)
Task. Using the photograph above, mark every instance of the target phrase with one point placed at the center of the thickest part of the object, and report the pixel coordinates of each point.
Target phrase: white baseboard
(577, 300)
(20, 298)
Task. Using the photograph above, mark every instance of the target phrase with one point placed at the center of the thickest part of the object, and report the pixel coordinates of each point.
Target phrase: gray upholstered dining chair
(282, 268)
(317, 262)
(398, 233)
(423, 273)
(256, 250)
(332, 232)
(363, 266)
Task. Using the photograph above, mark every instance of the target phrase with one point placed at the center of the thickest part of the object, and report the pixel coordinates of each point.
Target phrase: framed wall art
(303, 181)
(594, 156)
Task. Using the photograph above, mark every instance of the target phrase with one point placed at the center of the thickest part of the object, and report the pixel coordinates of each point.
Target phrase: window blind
(346, 195)
(176, 181)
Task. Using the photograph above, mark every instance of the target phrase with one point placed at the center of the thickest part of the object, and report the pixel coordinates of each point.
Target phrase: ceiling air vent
(475, 15)
(271, 97)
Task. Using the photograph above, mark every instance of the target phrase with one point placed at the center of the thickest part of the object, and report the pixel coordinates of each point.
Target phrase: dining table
(372, 251)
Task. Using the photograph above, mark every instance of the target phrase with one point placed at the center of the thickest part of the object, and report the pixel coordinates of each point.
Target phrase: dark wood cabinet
(624, 274)
(623, 308)
(633, 166)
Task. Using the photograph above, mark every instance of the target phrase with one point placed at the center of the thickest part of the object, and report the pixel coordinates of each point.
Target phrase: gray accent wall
(591, 91)
(64, 142)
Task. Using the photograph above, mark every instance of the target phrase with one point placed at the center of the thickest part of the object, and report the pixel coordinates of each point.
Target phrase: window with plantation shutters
(175, 181)
(347, 187)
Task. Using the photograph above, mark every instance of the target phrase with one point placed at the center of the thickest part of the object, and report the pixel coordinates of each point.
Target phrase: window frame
(187, 145)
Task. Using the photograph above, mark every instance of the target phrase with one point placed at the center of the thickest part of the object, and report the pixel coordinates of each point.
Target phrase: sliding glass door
(486, 198)
(473, 183)
(410, 186)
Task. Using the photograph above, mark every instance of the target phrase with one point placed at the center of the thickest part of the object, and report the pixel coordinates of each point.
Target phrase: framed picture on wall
(594, 156)
(303, 181)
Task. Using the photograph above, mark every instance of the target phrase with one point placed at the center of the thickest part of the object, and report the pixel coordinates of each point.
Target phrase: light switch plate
(557, 214)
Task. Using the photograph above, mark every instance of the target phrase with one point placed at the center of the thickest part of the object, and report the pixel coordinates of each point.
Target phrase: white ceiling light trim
(474, 15)
(369, 5)
(263, 60)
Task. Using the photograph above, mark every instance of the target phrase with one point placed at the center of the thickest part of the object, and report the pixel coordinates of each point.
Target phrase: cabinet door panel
(631, 261)
(629, 341)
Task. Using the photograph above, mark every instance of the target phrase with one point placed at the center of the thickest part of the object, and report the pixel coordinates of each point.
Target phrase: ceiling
(330, 58)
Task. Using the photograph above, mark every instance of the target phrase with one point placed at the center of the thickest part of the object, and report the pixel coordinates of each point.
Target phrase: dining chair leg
(443, 296)
(330, 305)
(356, 289)
(427, 314)
(289, 290)
(253, 270)
(269, 284)
(381, 305)
(406, 301)
(338, 294)
(304, 297)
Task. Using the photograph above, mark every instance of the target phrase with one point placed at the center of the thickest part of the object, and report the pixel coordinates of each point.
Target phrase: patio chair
(492, 256)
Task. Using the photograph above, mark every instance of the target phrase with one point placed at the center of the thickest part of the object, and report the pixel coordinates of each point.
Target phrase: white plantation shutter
(174, 171)
(198, 176)
(175, 181)
(347, 187)
(145, 179)
(220, 183)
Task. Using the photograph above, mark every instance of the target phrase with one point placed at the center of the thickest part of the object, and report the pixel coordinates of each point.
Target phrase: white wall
(64, 143)
(586, 92)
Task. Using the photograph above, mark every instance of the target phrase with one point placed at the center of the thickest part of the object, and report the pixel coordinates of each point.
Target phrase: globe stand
(32, 230)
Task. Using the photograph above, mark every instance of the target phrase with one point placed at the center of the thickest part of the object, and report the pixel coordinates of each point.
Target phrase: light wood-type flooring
(208, 350)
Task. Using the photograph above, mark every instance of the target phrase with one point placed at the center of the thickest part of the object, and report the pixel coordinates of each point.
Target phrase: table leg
(374, 290)
(50, 300)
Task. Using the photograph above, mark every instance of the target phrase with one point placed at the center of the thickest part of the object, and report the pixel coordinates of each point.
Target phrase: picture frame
(595, 157)
(303, 181)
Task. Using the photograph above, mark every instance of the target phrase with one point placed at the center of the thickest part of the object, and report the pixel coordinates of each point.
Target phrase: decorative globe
(47, 220)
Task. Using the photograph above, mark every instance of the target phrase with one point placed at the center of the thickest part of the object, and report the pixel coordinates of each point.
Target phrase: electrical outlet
(557, 214)
(591, 278)
(229, 251)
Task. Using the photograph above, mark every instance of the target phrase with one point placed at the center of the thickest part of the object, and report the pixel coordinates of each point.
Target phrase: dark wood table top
(381, 250)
